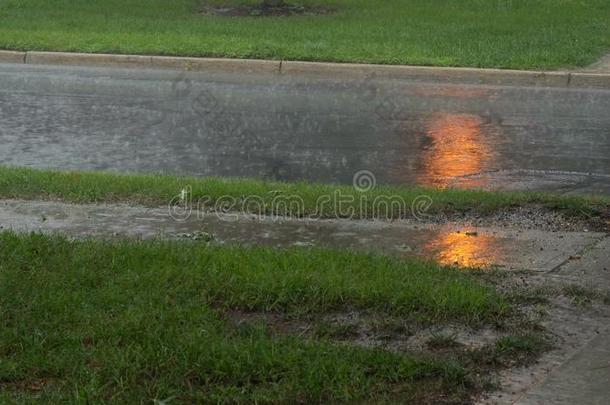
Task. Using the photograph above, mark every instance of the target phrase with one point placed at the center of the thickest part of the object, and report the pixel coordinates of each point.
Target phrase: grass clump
(333, 330)
(580, 295)
(519, 347)
(512, 350)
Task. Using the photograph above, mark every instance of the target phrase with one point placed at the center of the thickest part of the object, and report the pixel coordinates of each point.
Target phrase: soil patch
(529, 217)
(266, 10)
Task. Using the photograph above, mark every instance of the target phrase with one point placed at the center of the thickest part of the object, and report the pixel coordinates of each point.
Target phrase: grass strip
(523, 34)
(280, 198)
(136, 321)
(257, 279)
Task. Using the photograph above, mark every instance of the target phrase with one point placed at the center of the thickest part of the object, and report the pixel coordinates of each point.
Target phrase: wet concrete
(574, 371)
(591, 269)
(290, 128)
(451, 244)
(577, 370)
(583, 379)
(536, 180)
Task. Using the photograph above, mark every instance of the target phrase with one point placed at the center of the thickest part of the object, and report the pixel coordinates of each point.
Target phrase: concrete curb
(85, 59)
(435, 74)
(216, 64)
(12, 57)
(317, 69)
(149, 62)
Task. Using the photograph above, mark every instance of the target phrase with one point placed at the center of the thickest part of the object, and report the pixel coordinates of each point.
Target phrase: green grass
(485, 33)
(265, 197)
(518, 349)
(132, 321)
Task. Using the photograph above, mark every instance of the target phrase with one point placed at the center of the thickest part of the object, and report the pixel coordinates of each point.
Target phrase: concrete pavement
(577, 371)
(583, 379)
(459, 244)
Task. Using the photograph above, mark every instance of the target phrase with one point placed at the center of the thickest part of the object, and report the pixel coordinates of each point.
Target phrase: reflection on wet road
(458, 147)
(289, 128)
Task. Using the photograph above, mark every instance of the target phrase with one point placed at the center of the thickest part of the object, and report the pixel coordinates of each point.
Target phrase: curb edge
(562, 79)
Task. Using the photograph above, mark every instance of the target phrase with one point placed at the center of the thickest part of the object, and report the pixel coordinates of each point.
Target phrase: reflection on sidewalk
(459, 147)
(465, 249)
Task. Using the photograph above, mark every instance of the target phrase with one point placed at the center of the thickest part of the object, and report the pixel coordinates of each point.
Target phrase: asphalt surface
(287, 128)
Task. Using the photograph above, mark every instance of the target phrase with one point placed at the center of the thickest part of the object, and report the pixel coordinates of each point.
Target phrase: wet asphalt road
(288, 128)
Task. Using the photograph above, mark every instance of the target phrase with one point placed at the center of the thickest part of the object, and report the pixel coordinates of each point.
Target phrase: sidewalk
(584, 379)
(458, 244)
(577, 370)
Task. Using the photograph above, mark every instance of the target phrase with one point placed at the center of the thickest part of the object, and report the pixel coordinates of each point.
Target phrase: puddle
(467, 249)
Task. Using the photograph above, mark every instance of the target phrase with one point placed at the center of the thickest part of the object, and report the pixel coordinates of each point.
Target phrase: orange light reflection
(465, 250)
(458, 149)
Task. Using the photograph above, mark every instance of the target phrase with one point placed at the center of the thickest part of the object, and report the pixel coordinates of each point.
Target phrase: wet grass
(297, 281)
(482, 33)
(135, 321)
(280, 198)
(512, 351)
(542, 294)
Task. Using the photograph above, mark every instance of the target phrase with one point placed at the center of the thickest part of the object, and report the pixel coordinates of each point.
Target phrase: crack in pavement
(580, 253)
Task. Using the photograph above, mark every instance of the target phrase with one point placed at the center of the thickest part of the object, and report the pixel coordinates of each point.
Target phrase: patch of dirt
(263, 9)
(529, 217)
(367, 329)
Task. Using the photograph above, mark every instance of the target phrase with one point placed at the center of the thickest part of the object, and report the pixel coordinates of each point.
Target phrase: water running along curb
(316, 69)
